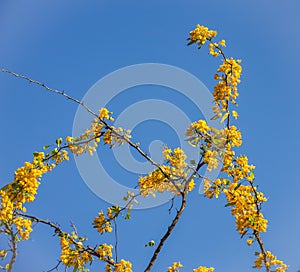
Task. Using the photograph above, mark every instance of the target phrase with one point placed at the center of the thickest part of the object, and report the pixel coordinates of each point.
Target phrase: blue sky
(70, 45)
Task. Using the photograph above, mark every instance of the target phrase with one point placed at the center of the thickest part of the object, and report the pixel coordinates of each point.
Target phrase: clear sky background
(71, 44)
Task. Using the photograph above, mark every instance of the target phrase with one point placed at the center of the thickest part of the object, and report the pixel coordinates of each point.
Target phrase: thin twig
(168, 233)
(58, 230)
(81, 103)
(13, 247)
(116, 239)
(172, 205)
(55, 267)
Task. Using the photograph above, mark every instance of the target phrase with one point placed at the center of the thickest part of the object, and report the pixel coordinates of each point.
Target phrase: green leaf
(193, 162)
(215, 117)
(52, 152)
(75, 268)
(230, 204)
(4, 187)
(224, 117)
(216, 141)
(236, 187)
(190, 42)
(46, 147)
(214, 130)
(244, 233)
(251, 176)
(227, 181)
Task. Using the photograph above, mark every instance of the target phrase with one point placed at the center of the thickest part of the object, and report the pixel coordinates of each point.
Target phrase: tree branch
(168, 233)
(13, 247)
(81, 103)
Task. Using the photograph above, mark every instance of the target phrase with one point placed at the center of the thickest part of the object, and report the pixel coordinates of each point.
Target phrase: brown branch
(13, 246)
(168, 233)
(257, 204)
(58, 230)
(116, 239)
(50, 90)
(199, 165)
(262, 248)
(135, 146)
(256, 233)
(56, 266)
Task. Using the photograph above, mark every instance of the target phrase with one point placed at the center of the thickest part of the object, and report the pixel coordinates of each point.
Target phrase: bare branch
(55, 267)
(13, 246)
(135, 146)
(167, 234)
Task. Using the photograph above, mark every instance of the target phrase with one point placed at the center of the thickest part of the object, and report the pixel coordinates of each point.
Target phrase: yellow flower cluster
(228, 158)
(226, 88)
(102, 224)
(217, 146)
(3, 254)
(61, 156)
(105, 114)
(203, 269)
(213, 189)
(73, 254)
(228, 73)
(155, 181)
(210, 158)
(88, 141)
(23, 189)
(105, 252)
(123, 266)
(116, 136)
(240, 169)
(176, 158)
(6, 207)
(172, 177)
(234, 136)
(175, 267)
(271, 261)
(23, 227)
(243, 201)
(201, 34)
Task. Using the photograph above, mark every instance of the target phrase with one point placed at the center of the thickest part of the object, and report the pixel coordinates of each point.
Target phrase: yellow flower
(235, 114)
(69, 139)
(222, 43)
(249, 242)
(6, 207)
(203, 269)
(3, 254)
(101, 223)
(123, 266)
(175, 267)
(201, 34)
(105, 251)
(23, 227)
(278, 265)
(104, 113)
(72, 255)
